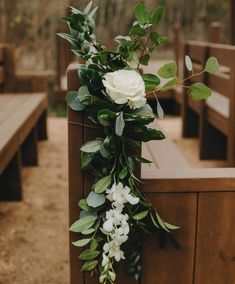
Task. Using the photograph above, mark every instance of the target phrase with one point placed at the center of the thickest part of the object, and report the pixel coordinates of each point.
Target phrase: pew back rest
(7, 68)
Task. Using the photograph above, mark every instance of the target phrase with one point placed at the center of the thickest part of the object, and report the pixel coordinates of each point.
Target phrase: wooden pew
(201, 201)
(191, 109)
(20, 123)
(22, 81)
(12, 82)
(217, 133)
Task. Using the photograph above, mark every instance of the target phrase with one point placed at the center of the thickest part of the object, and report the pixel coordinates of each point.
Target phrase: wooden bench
(200, 201)
(21, 81)
(21, 119)
(215, 122)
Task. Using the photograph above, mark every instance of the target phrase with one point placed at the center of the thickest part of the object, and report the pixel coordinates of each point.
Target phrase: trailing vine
(116, 217)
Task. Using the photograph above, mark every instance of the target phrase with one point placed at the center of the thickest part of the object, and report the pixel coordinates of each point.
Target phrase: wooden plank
(160, 265)
(215, 259)
(221, 83)
(1, 55)
(2, 75)
(218, 121)
(232, 22)
(188, 180)
(76, 176)
(15, 129)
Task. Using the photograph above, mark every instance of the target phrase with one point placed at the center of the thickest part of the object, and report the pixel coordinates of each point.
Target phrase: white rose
(125, 86)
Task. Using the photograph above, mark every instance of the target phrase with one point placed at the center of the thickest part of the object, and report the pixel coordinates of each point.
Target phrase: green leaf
(140, 215)
(73, 101)
(120, 124)
(92, 13)
(171, 227)
(145, 59)
(94, 244)
(154, 36)
(88, 8)
(105, 116)
(88, 232)
(154, 221)
(188, 63)
(169, 70)
(137, 31)
(141, 13)
(121, 39)
(151, 81)
(104, 152)
(95, 200)
(91, 146)
(169, 85)
(83, 224)
(142, 160)
(200, 91)
(89, 265)
(157, 14)
(123, 173)
(86, 159)
(160, 112)
(212, 65)
(83, 205)
(103, 184)
(161, 223)
(81, 243)
(89, 254)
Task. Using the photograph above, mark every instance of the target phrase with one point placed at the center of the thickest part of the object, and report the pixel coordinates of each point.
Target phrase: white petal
(108, 225)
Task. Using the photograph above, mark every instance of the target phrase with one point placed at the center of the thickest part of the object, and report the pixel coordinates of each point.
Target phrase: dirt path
(33, 233)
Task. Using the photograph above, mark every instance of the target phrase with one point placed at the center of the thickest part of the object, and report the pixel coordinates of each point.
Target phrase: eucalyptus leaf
(95, 200)
(120, 124)
(200, 91)
(88, 232)
(73, 101)
(168, 71)
(161, 223)
(91, 146)
(144, 60)
(169, 85)
(188, 63)
(160, 112)
(83, 205)
(171, 227)
(212, 65)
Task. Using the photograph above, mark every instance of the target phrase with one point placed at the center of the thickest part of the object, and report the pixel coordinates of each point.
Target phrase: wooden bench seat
(200, 201)
(22, 119)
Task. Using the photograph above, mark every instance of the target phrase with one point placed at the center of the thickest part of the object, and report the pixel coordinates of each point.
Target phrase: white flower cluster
(116, 224)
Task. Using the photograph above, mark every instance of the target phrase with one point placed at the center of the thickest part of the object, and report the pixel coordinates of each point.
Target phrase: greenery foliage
(113, 158)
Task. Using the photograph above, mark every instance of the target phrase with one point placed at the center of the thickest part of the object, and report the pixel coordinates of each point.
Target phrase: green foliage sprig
(113, 157)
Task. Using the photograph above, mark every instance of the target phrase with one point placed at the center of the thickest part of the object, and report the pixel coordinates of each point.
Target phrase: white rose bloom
(113, 250)
(125, 86)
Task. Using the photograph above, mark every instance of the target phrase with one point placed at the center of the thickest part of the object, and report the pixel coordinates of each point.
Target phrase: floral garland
(116, 217)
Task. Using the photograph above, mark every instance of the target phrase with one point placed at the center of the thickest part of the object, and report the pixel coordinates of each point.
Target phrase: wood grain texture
(168, 265)
(215, 257)
(76, 177)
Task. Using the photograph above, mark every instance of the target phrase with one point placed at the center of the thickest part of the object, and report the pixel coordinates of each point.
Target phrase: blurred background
(32, 25)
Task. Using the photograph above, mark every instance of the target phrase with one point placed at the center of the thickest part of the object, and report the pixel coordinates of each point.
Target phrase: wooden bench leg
(213, 143)
(10, 181)
(29, 150)
(190, 123)
(42, 127)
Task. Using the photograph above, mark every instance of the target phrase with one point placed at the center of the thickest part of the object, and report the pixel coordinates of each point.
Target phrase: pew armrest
(189, 180)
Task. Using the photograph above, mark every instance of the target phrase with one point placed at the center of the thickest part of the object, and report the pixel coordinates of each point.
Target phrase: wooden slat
(2, 76)
(16, 128)
(218, 121)
(188, 180)
(170, 265)
(1, 55)
(223, 52)
(196, 50)
(215, 258)
(221, 83)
